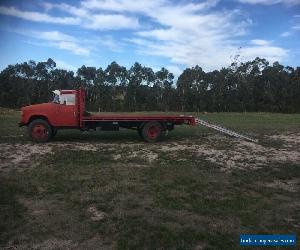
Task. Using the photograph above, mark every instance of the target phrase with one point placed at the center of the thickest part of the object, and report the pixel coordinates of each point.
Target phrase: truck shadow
(115, 137)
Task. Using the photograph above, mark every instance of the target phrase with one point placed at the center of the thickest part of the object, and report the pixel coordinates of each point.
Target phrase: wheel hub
(40, 132)
(153, 132)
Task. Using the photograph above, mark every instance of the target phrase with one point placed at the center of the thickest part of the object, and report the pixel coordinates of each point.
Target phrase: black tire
(152, 132)
(139, 130)
(164, 134)
(54, 132)
(39, 131)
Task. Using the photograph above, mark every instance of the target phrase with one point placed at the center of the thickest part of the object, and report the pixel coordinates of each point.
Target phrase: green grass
(178, 201)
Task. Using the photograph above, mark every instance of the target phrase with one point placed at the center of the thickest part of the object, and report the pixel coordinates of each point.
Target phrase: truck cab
(44, 119)
(62, 114)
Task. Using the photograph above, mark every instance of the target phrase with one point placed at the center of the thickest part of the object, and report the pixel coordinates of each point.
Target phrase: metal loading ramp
(223, 130)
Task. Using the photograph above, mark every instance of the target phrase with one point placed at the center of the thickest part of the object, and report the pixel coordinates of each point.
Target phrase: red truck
(43, 120)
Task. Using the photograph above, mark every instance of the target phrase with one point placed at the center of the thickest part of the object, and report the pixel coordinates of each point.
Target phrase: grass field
(196, 190)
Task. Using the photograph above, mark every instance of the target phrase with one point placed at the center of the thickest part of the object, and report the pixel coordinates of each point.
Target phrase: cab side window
(68, 99)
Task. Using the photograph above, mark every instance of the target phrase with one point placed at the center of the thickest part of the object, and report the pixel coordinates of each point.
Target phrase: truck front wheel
(152, 131)
(39, 131)
(54, 132)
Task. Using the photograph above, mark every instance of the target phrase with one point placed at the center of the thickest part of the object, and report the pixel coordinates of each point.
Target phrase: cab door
(66, 110)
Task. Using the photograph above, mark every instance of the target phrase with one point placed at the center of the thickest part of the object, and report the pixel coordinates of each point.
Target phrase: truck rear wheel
(139, 130)
(39, 131)
(152, 131)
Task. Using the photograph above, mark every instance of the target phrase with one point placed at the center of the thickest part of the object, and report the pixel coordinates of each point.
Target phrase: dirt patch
(176, 147)
(239, 154)
(289, 140)
(244, 155)
(117, 157)
(151, 156)
(96, 242)
(42, 207)
(200, 246)
(142, 154)
(21, 156)
(148, 155)
(35, 207)
(287, 185)
(55, 244)
(95, 214)
(83, 147)
(50, 244)
(228, 153)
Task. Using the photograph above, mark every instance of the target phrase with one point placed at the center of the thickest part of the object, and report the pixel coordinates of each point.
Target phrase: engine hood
(38, 107)
(43, 109)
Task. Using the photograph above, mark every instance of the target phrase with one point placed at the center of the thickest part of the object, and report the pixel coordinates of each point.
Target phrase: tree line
(244, 87)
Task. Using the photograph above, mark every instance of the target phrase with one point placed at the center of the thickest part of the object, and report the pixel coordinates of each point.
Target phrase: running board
(223, 130)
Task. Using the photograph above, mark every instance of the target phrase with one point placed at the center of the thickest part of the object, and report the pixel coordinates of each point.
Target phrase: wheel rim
(153, 132)
(40, 132)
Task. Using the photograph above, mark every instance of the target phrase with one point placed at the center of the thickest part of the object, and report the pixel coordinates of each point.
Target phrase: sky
(174, 34)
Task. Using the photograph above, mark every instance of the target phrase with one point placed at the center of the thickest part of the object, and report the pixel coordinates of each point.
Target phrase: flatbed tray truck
(44, 120)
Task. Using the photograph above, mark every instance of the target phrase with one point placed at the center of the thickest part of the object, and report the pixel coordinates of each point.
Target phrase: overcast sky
(156, 33)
